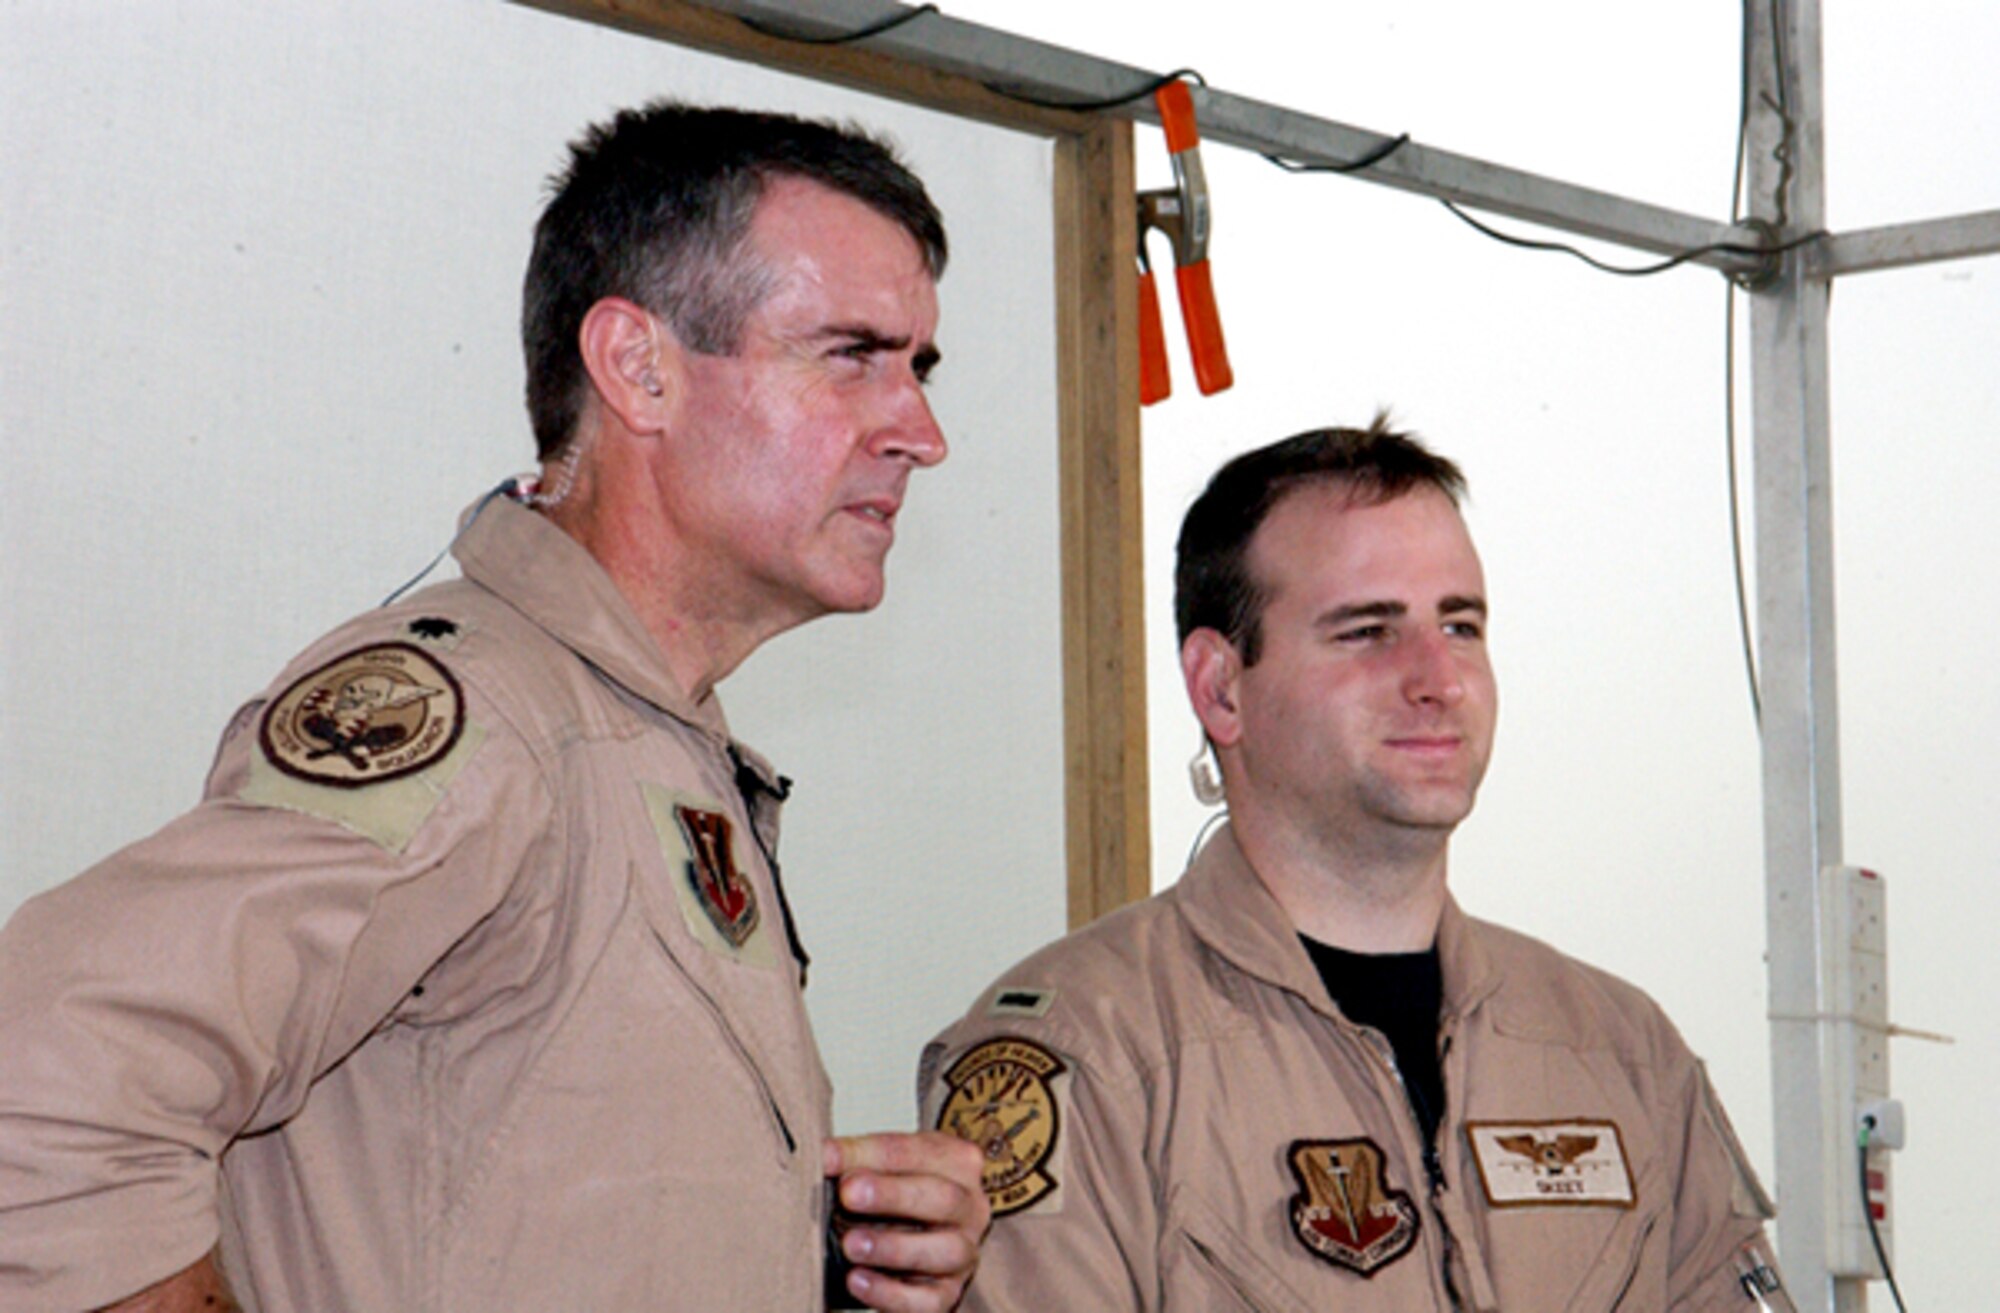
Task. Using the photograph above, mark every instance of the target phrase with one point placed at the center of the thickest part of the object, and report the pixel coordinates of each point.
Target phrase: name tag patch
(1544, 1164)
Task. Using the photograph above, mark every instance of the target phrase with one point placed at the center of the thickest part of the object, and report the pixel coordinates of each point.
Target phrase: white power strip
(1856, 956)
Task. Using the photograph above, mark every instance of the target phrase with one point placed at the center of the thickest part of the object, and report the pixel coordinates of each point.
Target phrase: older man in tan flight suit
(471, 984)
(1302, 1079)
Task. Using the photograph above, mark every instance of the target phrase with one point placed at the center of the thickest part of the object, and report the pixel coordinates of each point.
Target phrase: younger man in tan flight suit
(1302, 1079)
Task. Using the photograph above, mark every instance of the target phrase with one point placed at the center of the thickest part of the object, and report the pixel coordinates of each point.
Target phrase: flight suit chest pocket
(719, 938)
(1570, 1217)
(1206, 1264)
(718, 1053)
(1629, 1273)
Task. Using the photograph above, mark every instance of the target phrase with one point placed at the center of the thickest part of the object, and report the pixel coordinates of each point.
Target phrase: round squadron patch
(375, 714)
(1001, 1101)
(1345, 1211)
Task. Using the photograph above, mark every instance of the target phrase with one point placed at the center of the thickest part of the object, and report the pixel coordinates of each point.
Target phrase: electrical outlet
(1883, 1119)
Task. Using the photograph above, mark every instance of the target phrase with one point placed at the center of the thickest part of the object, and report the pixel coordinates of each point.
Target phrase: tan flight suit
(1177, 1118)
(467, 986)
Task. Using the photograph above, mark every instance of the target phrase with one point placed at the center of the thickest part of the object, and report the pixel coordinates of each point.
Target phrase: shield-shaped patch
(1345, 1211)
(712, 876)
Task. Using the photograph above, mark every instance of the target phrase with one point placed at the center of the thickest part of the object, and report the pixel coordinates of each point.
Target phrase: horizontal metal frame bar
(1026, 67)
(1901, 245)
(1428, 171)
(1037, 70)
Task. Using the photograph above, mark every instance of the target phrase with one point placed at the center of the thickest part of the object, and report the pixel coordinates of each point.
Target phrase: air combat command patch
(377, 713)
(1345, 1211)
(712, 877)
(1001, 1101)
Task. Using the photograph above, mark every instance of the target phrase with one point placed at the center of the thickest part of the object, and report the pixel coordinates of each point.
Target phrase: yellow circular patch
(1001, 1101)
(374, 714)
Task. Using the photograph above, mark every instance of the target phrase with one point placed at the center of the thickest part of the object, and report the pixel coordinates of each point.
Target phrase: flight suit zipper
(1631, 1268)
(751, 787)
(1433, 1163)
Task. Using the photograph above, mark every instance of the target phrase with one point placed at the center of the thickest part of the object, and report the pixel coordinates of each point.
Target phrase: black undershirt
(1398, 994)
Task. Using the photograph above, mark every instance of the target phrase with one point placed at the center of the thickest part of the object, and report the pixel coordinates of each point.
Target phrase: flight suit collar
(549, 577)
(1229, 909)
(1232, 911)
(1469, 974)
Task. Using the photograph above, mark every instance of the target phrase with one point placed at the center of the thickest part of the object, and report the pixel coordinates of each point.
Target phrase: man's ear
(633, 361)
(1213, 672)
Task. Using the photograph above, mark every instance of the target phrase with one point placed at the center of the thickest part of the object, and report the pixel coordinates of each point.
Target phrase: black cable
(1088, 106)
(1782, 152)
(888, 24)
(1735, 502)
(896, 20)
(1673, 261)
(1376, 156)
(1881, 1255)
(505, 488)
(1213, 819)
(1729, 397)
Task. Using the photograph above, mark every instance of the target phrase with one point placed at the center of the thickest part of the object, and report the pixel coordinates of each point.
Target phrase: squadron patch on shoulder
(1542, 1164)
(377, 713)
(1345, 1211)
(1001, 1100)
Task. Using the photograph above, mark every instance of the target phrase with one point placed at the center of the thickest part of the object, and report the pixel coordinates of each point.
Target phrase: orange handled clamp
(1183, 214)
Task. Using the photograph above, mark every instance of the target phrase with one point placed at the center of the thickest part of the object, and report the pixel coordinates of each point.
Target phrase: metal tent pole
(1795, 612)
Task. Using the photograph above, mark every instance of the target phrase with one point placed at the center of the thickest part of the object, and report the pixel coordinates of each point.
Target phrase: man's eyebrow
(1454, 604)
(860, 335)
(1341, 615)
(863, 336)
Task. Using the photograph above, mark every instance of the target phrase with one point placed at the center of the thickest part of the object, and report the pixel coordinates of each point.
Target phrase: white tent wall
(261, 267)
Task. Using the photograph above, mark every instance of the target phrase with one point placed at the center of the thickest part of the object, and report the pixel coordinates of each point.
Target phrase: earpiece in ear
(1201, 774)
(651, 382)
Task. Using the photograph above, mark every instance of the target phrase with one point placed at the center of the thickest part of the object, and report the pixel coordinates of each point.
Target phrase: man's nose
(1432, 673)
(909, 430)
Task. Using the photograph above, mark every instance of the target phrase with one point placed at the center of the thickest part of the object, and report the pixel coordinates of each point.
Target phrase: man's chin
(1438, 809)
(860, 592)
